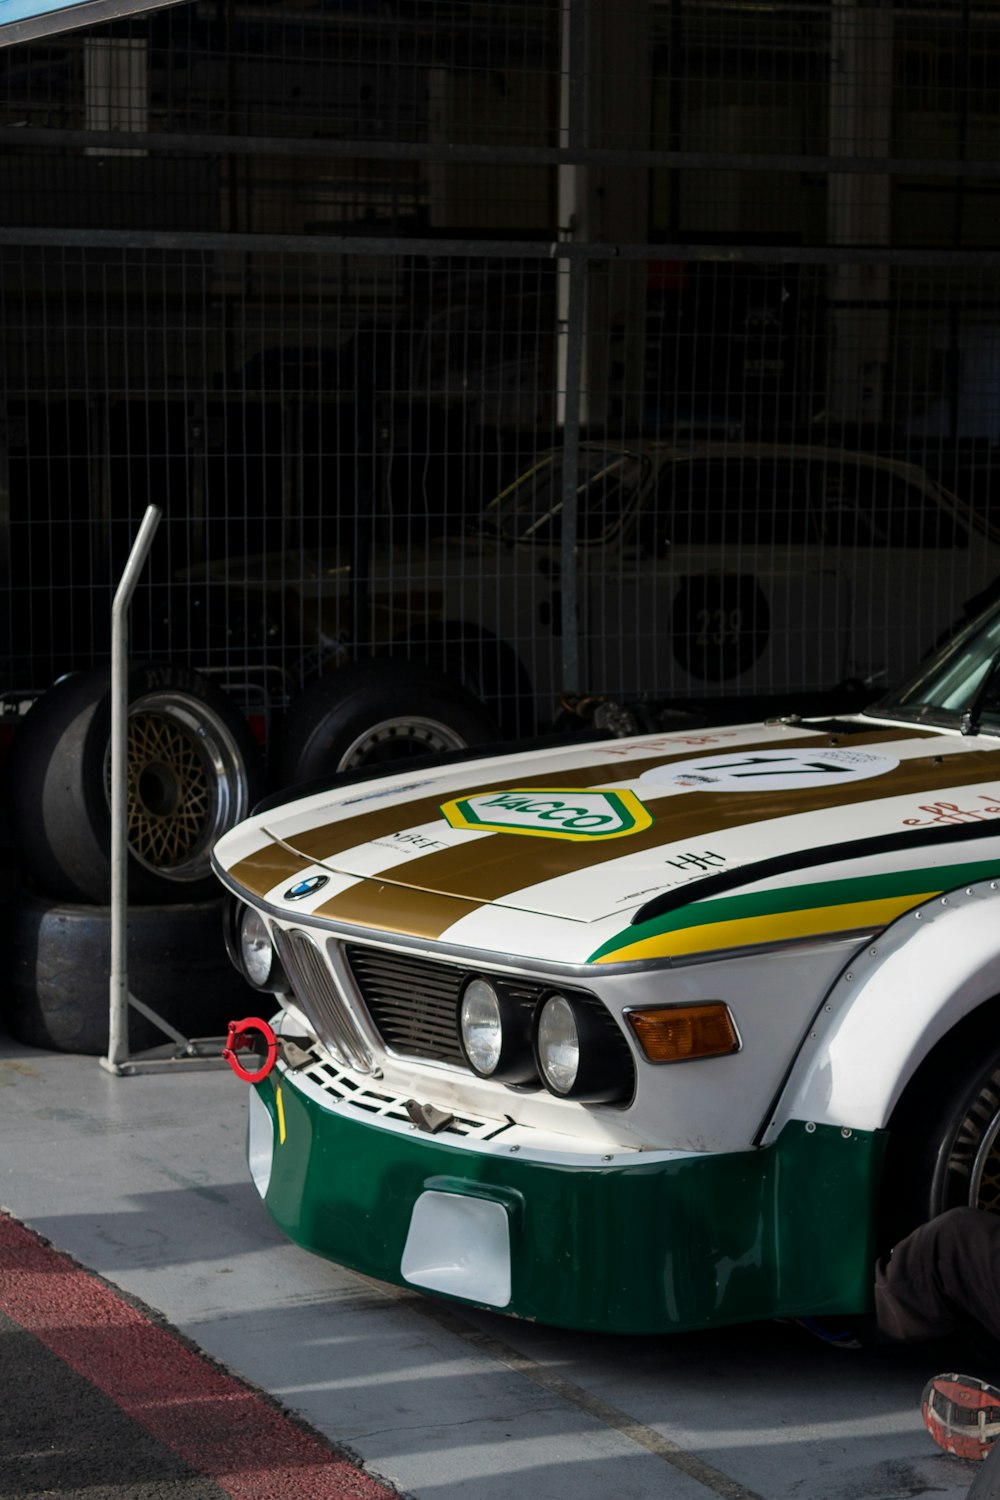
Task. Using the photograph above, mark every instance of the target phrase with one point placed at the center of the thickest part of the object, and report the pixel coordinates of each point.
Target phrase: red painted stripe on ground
(220, 1427)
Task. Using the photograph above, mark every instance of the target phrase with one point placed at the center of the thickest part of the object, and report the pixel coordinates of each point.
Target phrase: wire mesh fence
(640, 350)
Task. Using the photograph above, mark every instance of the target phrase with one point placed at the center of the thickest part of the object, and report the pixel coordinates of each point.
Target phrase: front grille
(413, 1002)
(320, 1000)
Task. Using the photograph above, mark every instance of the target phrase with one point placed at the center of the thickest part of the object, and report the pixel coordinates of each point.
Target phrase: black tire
(58, 963)
(486, 667)
(944, 1137)
(376, 713)
(194, 770)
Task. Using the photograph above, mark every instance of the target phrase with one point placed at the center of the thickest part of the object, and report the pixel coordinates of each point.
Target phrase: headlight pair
(568, 1042)
(249, 946)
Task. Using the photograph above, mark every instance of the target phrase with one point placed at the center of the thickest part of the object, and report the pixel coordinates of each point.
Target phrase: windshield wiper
(970, 720)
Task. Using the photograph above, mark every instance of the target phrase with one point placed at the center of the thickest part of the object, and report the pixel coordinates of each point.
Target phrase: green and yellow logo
(551, 813)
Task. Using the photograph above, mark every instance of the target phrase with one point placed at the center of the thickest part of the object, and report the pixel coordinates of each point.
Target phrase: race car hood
(581, 838)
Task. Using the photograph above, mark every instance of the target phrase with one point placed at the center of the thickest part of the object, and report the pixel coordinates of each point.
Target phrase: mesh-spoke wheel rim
(186, 783)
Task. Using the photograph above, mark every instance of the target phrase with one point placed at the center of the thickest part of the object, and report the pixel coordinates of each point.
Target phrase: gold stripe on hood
(261, 871)
(321, 845)
(489, 869)
(396, 908)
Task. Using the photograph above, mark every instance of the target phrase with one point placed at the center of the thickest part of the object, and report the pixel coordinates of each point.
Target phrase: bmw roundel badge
(303, 888)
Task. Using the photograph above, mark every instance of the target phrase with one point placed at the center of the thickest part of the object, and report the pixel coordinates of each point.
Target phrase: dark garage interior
(483, 363)
(321, 281)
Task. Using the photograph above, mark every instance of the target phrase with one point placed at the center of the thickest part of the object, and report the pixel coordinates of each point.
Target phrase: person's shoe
(962, 1414)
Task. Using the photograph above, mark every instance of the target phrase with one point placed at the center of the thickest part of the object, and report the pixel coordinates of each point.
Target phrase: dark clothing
(942, 1279)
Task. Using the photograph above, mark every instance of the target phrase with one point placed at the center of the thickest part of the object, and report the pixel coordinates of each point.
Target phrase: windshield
(531, 509)
(946, 685)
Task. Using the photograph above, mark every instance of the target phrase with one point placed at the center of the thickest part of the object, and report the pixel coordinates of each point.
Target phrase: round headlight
(480, 1027)
(255, 948)
(250, 949)
(558, 1042)
(581, 1051)
(494, 1027)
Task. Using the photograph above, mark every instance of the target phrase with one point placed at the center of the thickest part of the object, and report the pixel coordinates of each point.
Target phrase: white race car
(638, 1034)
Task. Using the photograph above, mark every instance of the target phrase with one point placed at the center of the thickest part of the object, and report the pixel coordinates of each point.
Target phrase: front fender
(895, 1000)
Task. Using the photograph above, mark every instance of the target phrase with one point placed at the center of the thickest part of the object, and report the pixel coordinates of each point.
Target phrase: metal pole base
(196, 1055)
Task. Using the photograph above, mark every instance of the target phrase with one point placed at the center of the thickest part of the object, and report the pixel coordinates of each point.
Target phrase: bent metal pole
(118, 1017)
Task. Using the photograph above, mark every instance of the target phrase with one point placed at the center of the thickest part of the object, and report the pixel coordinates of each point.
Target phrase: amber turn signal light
(680, 1033)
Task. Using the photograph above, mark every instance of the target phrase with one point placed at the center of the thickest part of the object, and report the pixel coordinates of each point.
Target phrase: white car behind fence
(699, 570)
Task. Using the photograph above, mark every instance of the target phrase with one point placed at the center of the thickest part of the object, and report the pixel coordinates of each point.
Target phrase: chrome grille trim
(321, 1001)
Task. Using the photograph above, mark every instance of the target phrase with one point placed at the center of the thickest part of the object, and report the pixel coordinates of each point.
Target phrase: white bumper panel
(459, 1245)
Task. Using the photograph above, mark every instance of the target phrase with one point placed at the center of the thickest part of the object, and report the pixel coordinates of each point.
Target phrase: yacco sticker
(551, 812)
(771, 770)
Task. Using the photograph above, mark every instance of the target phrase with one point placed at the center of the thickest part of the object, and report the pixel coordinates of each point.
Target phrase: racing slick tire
(194, 769)
(58, 961)
(375, 713)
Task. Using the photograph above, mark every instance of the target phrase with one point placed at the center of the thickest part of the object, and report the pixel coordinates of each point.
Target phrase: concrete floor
(143, 1180)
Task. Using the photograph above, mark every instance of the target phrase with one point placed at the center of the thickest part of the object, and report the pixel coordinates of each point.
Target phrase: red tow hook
(238, 1040)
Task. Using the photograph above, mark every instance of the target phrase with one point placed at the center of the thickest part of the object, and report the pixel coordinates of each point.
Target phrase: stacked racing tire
(194, 770)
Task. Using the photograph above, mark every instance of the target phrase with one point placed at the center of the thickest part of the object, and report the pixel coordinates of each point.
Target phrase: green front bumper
(638, 1247)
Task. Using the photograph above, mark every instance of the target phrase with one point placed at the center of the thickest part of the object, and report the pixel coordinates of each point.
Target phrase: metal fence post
(182, 1052)
(569, 562)
(118, 1018)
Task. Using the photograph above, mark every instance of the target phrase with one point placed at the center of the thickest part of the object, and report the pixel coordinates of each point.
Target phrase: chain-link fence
(638, 349)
